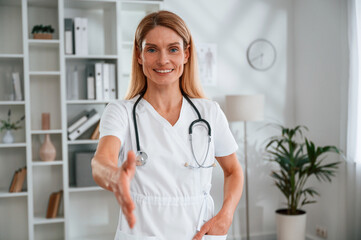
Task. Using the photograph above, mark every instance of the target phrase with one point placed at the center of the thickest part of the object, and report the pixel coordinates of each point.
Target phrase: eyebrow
(154, 45)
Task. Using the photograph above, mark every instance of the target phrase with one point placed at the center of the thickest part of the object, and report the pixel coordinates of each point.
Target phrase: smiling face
(163, 56)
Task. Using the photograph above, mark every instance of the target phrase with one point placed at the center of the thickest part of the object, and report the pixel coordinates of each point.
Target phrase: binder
(99, 81)
(68, 36)
(84, 36)
(78, 35)
(82, 118)
(90, 82)
(106, 95)
(112, 82)
(75, 84)
(17, 86)
(91, 121)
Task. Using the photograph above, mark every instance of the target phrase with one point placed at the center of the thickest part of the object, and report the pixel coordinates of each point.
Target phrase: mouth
(163, 70)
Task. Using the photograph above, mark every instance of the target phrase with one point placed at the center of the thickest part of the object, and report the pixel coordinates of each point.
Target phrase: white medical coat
(172, 202)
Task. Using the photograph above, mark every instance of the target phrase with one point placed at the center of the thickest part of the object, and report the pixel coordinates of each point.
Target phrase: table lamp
(245, 108)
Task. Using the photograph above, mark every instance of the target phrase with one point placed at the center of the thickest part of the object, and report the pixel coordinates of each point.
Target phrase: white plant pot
(8, 137)
(291, 226)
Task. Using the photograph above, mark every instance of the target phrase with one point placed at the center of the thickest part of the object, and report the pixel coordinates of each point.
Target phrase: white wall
(303, 87)
(320, 67)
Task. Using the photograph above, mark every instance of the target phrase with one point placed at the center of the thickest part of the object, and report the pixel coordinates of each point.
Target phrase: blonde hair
(189, 81)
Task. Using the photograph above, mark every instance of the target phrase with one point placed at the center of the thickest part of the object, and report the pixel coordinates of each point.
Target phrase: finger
(129, 215)
(204, 229)
(125, 194)
(127, 211)
(131, 220)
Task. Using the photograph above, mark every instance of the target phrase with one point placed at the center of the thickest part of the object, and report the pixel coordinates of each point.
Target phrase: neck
(164, 98)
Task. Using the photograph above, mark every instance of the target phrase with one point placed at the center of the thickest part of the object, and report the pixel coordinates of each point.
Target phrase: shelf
(16, 3)
(85, 189)
(43, 41)
(141, 2)
(12, 102)
(11, 55)
(90, 4)
(43, 220)
(6, 194)
(44, 73)
(89, 101)
(78, 142)
(42, 3)
(50, 163)
(91, 57)
(12, 145)
(97, 237)
(51, 131)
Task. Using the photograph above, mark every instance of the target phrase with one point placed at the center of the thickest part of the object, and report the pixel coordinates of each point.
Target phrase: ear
(186, 54)
(139, 56)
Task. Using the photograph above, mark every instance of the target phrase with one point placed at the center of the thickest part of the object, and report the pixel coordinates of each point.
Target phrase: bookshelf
(44, 71)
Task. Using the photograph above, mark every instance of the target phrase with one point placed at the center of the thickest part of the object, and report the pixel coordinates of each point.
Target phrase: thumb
(129, 164)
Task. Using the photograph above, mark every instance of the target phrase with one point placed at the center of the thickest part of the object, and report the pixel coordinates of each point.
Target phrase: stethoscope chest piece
(141, 158)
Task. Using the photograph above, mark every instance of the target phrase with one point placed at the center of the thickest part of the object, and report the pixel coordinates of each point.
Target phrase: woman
(164, 190)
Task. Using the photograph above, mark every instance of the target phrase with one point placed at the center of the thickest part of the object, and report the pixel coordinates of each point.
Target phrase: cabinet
(45, 72)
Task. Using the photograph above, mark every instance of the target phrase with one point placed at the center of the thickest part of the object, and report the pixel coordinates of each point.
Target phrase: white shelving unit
(85, 212)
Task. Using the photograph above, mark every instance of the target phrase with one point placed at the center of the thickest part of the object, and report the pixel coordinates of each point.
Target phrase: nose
(163, 58)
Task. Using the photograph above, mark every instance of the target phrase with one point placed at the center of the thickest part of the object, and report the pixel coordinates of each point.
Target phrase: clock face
(261, 54)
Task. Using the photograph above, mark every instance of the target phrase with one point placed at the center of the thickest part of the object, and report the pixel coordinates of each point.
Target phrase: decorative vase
(8, 137)
(47, 150)
(291, 226)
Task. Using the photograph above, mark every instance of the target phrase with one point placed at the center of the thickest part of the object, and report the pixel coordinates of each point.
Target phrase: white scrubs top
(171, 200)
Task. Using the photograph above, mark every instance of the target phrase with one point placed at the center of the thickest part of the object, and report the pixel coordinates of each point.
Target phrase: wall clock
(261, 54)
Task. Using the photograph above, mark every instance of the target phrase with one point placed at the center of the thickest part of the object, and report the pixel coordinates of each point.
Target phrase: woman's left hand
(218, 225)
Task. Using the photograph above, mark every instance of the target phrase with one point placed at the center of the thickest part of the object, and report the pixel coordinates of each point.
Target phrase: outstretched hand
(121, 188)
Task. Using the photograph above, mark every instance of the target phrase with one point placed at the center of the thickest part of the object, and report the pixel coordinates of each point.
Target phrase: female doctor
(167, 137)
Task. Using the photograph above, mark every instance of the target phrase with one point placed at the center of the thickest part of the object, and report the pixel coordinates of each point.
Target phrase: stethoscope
(142, 157)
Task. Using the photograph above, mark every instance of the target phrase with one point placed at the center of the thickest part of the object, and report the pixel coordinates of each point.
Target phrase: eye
(173, 50)
(151, 50)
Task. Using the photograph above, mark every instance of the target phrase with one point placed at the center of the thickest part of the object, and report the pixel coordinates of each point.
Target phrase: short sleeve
(114, 121)
(224, 142)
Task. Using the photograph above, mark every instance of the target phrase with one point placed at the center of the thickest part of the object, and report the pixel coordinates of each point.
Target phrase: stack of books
(54, 204)
(18, 180)
(82, 123)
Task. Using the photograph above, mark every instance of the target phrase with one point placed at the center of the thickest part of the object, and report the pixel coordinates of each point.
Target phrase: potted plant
(42, 32)
(8, 126)
(298, 159)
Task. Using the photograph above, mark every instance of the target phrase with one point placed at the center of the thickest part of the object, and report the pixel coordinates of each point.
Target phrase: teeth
(164, 71)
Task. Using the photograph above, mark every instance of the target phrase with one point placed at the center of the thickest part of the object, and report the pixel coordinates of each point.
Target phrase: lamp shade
(244, 107)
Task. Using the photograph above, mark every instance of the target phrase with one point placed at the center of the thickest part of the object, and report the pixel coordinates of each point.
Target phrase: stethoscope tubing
(142, 156)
